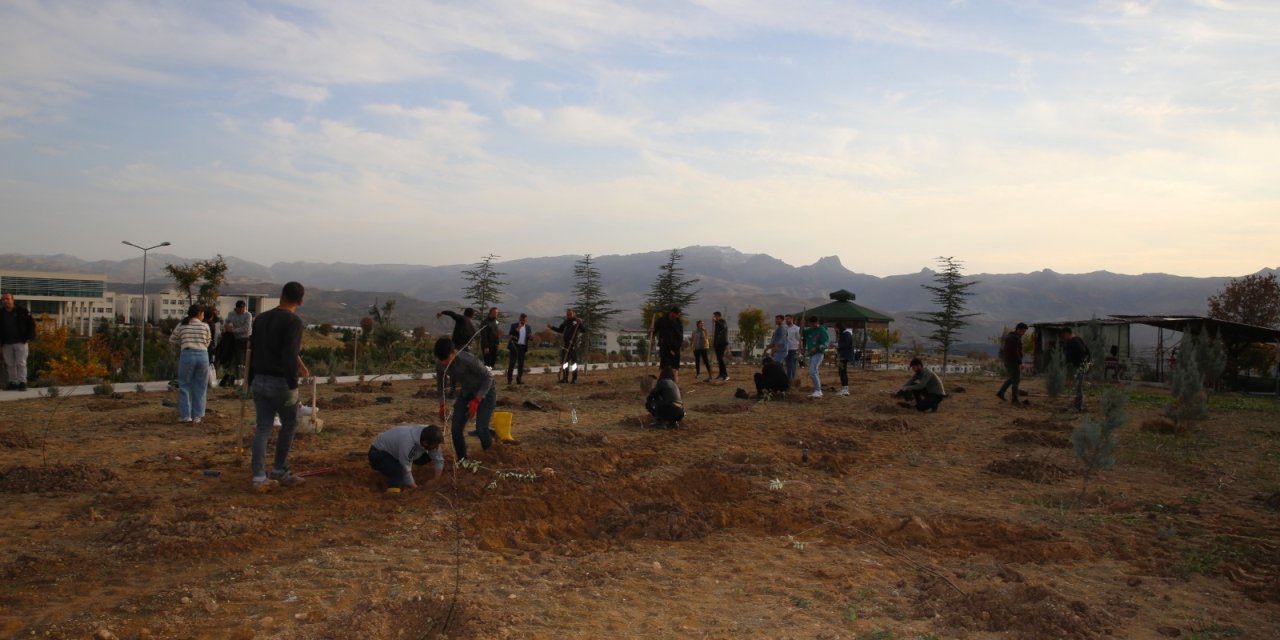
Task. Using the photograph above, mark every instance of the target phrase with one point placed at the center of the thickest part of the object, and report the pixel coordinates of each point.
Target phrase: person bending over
(396, 450)
(772, 378)
(664, 401)
(924, 388)
(477, 394)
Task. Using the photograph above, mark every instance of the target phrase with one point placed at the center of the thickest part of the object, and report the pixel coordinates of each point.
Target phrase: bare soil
(793, 518)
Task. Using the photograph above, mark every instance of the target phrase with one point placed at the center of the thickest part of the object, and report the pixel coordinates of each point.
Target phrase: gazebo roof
(844, 308)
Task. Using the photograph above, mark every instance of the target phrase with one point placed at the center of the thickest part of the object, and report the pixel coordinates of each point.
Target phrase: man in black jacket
(517, 346)
(720, 341)
(668, 331)
(17, 328)
(1011, 354)
(1076, 353)
(772, 378)
(572, 331)
(489, 338)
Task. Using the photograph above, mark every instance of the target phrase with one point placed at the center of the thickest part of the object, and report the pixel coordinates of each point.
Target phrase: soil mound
(348, 401)
(1040, 425)
(181, 534)
(1027, 469)
(724, 409)
(1162, 425)
(55, 477)
(428, 617)
(16, 440)
(1025, 611)
(1037, 438)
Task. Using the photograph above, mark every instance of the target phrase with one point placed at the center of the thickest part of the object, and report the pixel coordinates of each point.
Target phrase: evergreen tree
(1055, 373)
(484, 284)
(1188, 401)
(950, 291)
(1093, 442)
(670, 289)
(590, 303)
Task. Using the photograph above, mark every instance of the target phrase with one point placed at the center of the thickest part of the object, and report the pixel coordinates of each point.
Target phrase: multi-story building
(77, 301)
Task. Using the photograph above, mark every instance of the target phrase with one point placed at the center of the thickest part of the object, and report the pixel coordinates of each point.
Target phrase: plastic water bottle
(573, 413)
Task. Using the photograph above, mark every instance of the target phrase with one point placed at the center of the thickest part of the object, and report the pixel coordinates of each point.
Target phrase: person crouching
(664, 401)
(396, 450)
(924, 388)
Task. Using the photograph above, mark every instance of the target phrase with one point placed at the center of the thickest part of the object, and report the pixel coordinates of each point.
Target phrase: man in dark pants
(571, 333)
(17, 328)
(668, 331)
(274, 367)
(489, 338)
(1011, 354)
(720, 341)
(925, 388)
(240, 323)
(477, 394)
(517, 346)
(1076, 353)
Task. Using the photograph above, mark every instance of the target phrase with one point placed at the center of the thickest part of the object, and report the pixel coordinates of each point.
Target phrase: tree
(484, 288)
(950, 291)
(1253, 300)
(1188, 401)
(1093, 442)
(1055, 372)
(186, 276)
(752, 328)
(670, 289)
(589, 301)
(385, 334)
(885, 338)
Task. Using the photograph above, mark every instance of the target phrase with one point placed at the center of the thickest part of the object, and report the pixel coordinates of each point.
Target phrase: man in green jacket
(924, 387)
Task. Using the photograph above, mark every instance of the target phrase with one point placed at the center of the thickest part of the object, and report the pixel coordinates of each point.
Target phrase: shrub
(1093, 441)
(1055, 373)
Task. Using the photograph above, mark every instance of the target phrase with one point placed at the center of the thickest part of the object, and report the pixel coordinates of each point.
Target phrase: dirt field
(961, 524)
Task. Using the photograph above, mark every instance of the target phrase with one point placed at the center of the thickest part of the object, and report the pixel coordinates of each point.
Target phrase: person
(477, 394)
(272, 377)
(664, 402)
(571, 331)
(793, 345)
(214, 321)
(17, 328)
(226, 356)
(778, 341)
(844, 355)
(1011, 354)
(700, 342)
(192, 338)
(395, 451)
(668, 331)
(720, 342)
(771, 379)
(240, 323)
(518, 347)
(489, 338)
(1076, 353)
(464, 327)
(816, 340)
(1113, 366)
(924, 388)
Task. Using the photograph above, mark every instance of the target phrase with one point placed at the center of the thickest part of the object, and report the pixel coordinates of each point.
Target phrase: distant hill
(730, 280)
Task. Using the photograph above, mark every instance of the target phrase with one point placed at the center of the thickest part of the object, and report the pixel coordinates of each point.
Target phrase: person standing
(1011, 354)
(720, 342)
(17, 328)
(1077, 355)
(274, 367)
(214, 322)
(793, 345)
(778, 341)
(700, 342)
(192, 336)
(668, 331)
(571, 331)
(844, 355)
(816, 340)
(477, 394)
(517, 347)
(240, 322)
(489, 335)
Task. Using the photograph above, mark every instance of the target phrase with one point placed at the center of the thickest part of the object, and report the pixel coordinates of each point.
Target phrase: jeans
(792, 357)
(272, 397)
(193, 383)
(1077, 376)
(15, 360)
(483, 414)
(1015, 377)
(815, 361)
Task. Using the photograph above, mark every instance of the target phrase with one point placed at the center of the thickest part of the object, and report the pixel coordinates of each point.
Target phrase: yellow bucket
(501, 424)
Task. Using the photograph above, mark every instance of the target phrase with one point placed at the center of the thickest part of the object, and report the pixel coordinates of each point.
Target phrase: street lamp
(142, 333)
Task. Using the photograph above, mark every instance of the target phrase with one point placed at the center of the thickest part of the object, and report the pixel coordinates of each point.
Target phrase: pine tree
(589, 302)
(670, 289)
(1093, 442)
(484, 288)
(950, 291)
(1055, 373)
(1188, 401)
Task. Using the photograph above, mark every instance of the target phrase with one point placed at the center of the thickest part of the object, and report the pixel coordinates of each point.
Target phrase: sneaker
(287, 479)
(183, 420)
(844, 391)
(22, 386)
(817, 393)
(196, 420)
(724, 378)
(263, 485)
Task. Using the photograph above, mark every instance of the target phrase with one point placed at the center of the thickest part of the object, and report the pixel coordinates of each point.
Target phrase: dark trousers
(700, 357)
(1015, 378)
(669, 357)
(842, 367)
(569, 366)
(724, 373)
(387, 465)
(489, 353)
(515, 361)
(924, 401)
(484, 413)
(668, 412)
(761, 385)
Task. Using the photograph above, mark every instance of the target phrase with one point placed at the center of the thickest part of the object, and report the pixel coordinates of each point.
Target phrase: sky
(1128, 136)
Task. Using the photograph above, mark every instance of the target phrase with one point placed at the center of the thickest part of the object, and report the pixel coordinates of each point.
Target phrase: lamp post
(142, 329)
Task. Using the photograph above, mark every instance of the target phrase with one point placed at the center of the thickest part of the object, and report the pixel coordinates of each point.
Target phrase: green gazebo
(842, 308)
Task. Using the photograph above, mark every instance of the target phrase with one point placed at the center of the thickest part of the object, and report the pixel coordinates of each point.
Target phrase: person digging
(924, 389)
(395, 452)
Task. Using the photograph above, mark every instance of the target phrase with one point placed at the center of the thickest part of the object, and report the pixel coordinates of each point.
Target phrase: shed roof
(1229, 331)
(843, 307)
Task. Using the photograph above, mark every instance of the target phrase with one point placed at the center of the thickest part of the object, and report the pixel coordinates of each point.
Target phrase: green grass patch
(1214, 630)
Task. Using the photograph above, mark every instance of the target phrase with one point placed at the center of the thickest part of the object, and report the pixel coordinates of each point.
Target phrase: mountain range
(729, 281)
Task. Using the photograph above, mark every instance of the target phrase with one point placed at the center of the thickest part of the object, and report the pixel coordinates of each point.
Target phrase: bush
(1093, 442)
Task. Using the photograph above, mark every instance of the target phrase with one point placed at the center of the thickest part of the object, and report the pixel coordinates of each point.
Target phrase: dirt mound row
(1039, 438)
(430, 615)
(114, 405)
(817, 441)
(725, 409)
(348, 401)
(1025, 611)
(743, 463)
(1040, 425)
(56, 477)
(16, 440)
(193, 533)
(1027, 469)
(567, 436)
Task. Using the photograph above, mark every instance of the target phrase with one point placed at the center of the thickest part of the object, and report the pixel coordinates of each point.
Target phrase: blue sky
(1128, 136)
